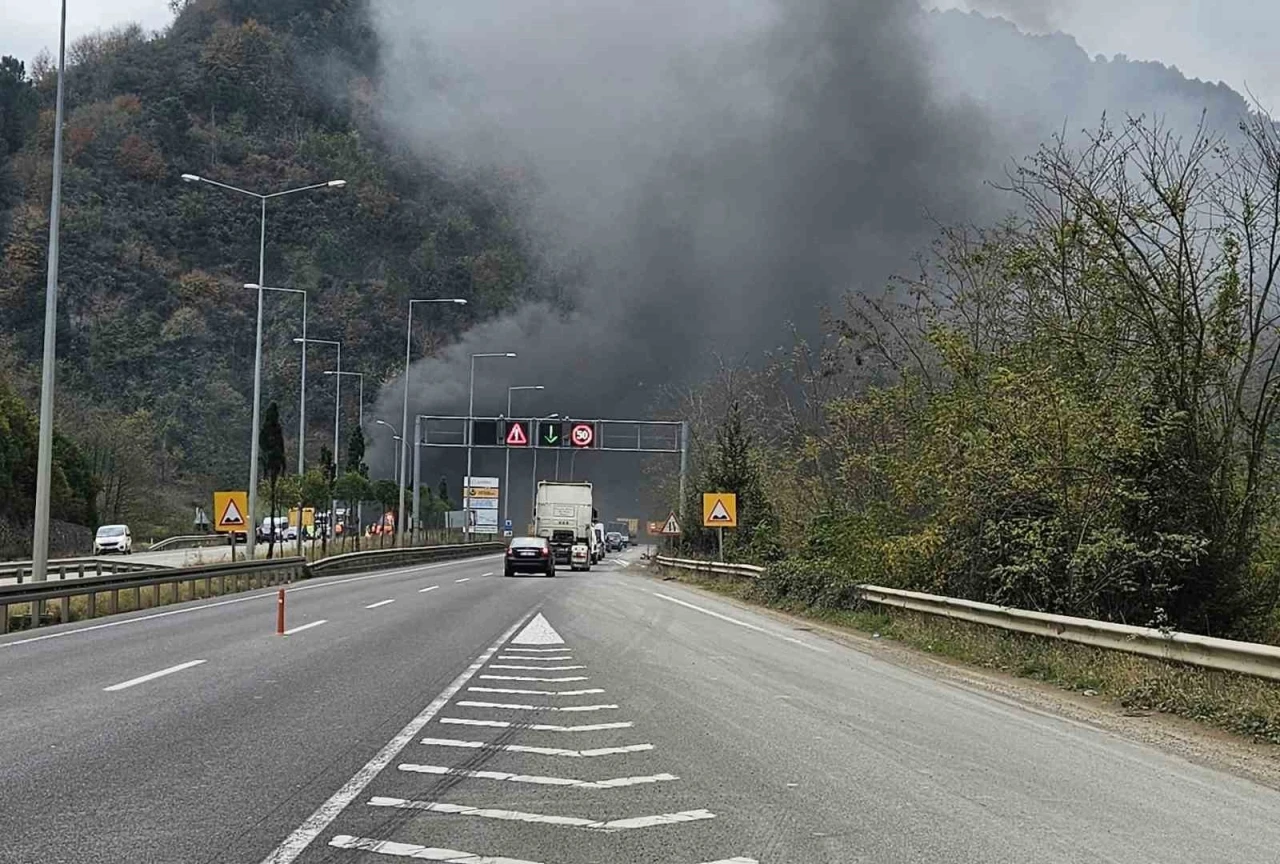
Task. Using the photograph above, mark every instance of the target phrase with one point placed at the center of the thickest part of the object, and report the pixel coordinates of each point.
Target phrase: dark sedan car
(530, 555)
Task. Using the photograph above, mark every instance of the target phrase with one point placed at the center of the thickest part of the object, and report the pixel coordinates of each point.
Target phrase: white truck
(563, 514)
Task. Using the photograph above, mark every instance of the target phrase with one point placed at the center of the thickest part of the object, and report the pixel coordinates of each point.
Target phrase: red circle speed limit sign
(582, 435)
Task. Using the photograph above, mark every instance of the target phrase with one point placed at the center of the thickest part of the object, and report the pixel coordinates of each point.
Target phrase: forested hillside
(155, 331)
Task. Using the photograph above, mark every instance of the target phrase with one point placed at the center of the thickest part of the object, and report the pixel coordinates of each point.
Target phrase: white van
(113, 538)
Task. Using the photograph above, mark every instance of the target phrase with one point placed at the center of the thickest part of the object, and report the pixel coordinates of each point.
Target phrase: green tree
(352, 487)
(355, 453)
(315, 492)
(273, 463)
(442, 491)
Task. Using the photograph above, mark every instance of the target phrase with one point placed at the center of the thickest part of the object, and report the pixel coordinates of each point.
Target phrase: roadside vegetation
(1071, 412)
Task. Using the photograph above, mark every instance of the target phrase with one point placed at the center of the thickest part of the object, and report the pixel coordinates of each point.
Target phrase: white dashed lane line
(142, 679)
(464, 579)
(302, 627)
(380, 603)
(428, 588)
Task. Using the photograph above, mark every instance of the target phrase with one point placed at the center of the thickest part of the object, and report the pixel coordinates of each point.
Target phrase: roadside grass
(1236, 703)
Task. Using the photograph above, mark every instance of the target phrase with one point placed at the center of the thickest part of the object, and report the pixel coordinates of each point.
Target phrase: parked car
(613, 542)
(529, 555)
(113, 538)
(580, 557)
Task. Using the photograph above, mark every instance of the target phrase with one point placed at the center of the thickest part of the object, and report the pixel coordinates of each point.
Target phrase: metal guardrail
(242, 575)
(78, 568)
(189, 541)
(353, 562)
(1248, 658)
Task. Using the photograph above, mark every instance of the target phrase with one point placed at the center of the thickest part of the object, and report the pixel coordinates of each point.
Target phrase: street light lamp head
(192, 178)
(509, 354)
(337, 184)
(459, 301)
(539, 387)
(299, 339)
(252, 285)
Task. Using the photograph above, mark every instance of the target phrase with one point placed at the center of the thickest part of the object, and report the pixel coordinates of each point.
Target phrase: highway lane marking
(142, 679)
(537, 727)
(269, 594)
(535, 650)
(483, 575)
(510, 707)
(428, 588)
(511, 691)
(380, 603)
(542, 819)
(420, 853)
(535, 779)
(537, 668)
(545, 658)
(317, 822)
(464, 579)
(306, 627)
(537, 751)
(764, 630)
(539, 680)
(538, 632)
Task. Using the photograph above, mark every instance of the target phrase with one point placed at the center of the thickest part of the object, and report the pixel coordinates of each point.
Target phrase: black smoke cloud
(726, 167)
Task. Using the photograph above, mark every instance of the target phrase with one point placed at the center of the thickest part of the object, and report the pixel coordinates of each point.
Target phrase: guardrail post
(155, 594)
(4, 618)
(81, 569)
(64, 604)
(19, 575)
(93, 604)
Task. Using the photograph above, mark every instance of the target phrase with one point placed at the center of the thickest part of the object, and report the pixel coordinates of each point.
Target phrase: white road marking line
(293, 630)
(534, 650)
(269, 594)
(544, 659)
(428, 588)
(624, 563)
(527, 678)
(538, 751)
(568, 821)
(764, 630)
(380, 603)
(537, 727)
(514, 692)
(142, 679)
(466, 704)
(535, 779)
(324, 815)
(538, 632)
(537, 668)
(420, 853)
(483, 575)
(464, 579)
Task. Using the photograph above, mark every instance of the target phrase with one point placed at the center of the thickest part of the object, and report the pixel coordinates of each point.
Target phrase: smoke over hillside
(724, 167)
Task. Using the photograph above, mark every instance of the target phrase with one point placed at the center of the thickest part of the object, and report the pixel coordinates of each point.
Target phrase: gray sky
(1211, 39)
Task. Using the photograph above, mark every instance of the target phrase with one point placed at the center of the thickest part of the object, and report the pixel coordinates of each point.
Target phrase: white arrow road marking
(306, 627)
(142, 679)
(538, 632)
(538, 751)
(536, 779)
(510, 707)
(539, 680)
(295, 843)
(537, 727)
(568, 821)
(421, 853)
(536, 668)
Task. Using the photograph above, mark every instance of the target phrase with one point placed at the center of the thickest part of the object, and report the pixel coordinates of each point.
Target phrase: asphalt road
(447, 714)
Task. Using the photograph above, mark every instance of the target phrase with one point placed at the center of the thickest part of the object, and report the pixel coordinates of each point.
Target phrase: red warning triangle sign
(516, 436)
(231, 515)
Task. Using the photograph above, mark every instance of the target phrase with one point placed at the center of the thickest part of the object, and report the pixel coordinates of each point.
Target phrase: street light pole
(337, 408)
(257, 348)
(302, 390)
(44, 459)
(506, 480)
(404, 416)
(471, 418)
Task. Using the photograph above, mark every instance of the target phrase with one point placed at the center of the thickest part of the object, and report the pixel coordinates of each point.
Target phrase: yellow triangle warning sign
(719, 510)
(231, 515)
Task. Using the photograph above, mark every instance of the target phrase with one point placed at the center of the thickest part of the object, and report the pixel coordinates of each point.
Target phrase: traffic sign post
(231, 509)
(720, 511)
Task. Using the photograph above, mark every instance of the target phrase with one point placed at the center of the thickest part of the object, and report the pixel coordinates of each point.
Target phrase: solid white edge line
(293, 630)
(324, 815)
(764, 630)
(142, 679)
(380, 603)
(270, 593)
